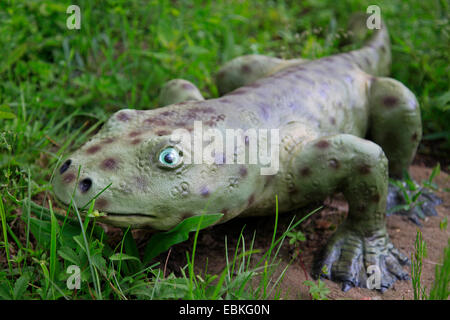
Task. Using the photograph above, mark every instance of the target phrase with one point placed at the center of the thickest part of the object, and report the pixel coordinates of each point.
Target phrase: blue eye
(170, 157)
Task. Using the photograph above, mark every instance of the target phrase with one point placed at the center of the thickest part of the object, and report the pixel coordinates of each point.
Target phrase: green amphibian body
(323, 110)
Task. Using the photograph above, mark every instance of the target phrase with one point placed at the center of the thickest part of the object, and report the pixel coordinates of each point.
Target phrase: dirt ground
(318, 228)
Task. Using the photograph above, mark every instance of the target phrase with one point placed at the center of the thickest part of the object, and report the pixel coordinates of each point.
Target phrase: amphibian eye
(170, 157)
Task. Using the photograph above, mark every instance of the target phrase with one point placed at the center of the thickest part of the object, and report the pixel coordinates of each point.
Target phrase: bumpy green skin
(323, 109)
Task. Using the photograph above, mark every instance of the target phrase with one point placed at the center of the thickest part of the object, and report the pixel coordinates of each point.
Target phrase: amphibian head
(148, 182)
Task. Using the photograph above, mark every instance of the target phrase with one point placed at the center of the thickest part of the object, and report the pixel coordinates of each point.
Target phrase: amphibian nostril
(65, 166)
(85, 185)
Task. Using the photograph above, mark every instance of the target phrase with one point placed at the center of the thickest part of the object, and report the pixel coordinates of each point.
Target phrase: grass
(57, 87)
(440, 289)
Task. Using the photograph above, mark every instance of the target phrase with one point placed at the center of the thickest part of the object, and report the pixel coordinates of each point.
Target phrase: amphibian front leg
(359, 169)
(396, 126)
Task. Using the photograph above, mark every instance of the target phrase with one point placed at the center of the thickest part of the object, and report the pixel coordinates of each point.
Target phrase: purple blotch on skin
(69, 177)
(246, 68)
(162, 133)
(167, 113)
(204, 191)
(243, 171)
(322, 144)
(187, 86)
(251, 200)
(155, 121)
(135, 141)
(93, 149)
(101, 203)
(109, 164)
(123, 116)
(390, 101)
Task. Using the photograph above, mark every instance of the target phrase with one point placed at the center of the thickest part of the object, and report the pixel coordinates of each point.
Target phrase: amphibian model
(323, 110)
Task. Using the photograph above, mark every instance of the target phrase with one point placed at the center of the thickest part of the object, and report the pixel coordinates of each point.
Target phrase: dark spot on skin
(93, 149)
(375, 198)
(123, 116)
(322, 144)
(204, 192)
(109, 140)
(246, 69)
(65, 166)
(332, 120)
(202, 110)
(364, 169)
(333, 163)
(85, 185)
(68, 178)
(101, 203)
(415, 136)
(162, 133)
(187, 86)
(134, 133)
(251, 200)
(192, 115)
(243, 171)
(135, 141)
(109, 164)
(223, 100)
(390, 101)
(180, 124)
(305, 172)
(155, 121)
(167, 113)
